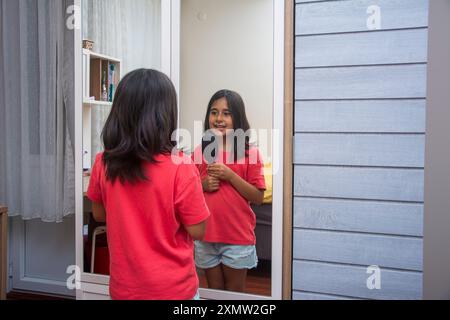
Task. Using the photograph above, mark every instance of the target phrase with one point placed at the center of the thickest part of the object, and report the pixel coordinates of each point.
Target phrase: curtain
(129, 30)
(36, 110)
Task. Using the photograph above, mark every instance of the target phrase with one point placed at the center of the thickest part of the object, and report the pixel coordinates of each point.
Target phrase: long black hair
(237, 108)
(140, 126)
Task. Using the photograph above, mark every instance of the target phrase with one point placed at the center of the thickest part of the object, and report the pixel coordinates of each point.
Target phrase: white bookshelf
(95, 67)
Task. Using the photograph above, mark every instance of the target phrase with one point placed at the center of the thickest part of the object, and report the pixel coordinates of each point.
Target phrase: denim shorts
(210, 255)
(197, 296)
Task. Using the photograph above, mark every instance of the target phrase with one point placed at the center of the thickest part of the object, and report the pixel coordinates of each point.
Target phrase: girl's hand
(210, 184)
(220, 171)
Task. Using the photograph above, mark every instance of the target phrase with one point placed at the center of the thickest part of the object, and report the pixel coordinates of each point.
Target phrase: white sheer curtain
(36, 110)
(129, 30)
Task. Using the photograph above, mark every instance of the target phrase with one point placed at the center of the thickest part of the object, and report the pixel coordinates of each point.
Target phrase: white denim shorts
(197, 296)
(210, 255)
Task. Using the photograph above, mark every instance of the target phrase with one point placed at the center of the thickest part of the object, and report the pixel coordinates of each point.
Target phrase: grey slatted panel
(387, 47)
(299, 295)
(360, 249)
(361, 116)
(350, 16)
(360, 149)
(359, 216)
(352, 281)
(359, 183)
(356, 81)
(375, 82)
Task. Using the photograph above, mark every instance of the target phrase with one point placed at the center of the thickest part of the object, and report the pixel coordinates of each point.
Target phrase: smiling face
(220, 118)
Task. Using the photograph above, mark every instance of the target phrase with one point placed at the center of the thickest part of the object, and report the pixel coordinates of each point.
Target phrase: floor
(34, 296)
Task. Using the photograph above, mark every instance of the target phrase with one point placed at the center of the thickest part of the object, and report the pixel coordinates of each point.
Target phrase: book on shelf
(111, 81)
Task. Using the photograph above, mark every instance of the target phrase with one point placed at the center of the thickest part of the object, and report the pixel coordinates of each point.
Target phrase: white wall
(227, 44)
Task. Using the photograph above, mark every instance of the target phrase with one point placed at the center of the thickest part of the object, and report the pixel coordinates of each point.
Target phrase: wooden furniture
(99, 69)
(288, 168)
(3, 251)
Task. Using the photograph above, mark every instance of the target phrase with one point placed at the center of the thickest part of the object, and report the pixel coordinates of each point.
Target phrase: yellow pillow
(268, 178)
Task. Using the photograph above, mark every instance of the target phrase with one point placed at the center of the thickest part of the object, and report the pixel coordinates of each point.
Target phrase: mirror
(228, 44)
(224, 44)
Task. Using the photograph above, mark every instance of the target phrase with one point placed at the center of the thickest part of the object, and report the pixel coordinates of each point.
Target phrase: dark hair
(140, 126)
(237, 108)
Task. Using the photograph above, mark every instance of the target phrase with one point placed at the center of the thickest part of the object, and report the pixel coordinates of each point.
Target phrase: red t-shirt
(232, 219)
(151, 253)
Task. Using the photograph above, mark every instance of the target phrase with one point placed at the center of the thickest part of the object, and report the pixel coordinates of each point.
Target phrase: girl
(153, 205)
(230, 184)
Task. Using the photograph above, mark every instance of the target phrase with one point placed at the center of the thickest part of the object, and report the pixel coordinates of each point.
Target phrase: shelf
(101, 77)
(98, 103)
(100, 56)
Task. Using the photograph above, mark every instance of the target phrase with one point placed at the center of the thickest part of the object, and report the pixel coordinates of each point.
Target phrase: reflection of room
(220, 48)
(126, 35)
(229, 45)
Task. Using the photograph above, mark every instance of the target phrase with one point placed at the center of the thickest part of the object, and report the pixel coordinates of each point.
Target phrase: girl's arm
(197, 232)
(248, 191)
(99, 212)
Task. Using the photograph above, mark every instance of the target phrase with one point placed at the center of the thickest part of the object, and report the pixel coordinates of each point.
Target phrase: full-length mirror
(226, 82)
(222, 59)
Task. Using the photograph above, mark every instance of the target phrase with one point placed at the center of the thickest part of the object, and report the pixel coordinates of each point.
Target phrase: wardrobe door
(115, 37)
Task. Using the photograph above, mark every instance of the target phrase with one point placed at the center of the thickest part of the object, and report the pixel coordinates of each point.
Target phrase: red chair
(99, 255)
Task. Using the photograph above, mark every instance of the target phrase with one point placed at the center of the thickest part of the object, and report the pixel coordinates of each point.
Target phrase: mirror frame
(278, 153)
(282, 148)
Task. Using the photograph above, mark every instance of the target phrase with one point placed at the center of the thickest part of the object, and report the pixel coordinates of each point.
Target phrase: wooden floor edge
(288, 154)
(30, 295)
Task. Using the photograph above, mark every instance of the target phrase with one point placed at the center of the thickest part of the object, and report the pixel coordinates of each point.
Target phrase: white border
(278, 151)
(170, 43)
(78, 51)
(170, 40)
(166, 37)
